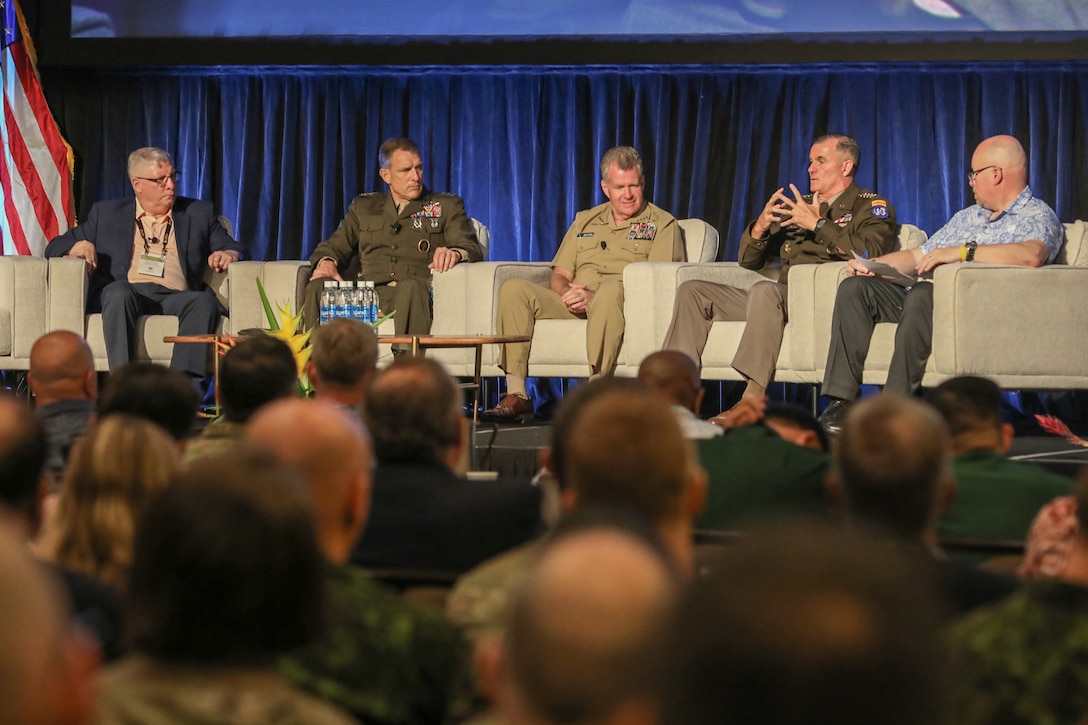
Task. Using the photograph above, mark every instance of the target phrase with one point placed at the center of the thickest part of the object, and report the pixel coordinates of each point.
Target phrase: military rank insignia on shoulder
(368, 194)
(867, 194)
(642, 230)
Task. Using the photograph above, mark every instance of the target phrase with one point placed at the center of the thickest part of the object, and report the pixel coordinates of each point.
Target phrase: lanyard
(155, 240)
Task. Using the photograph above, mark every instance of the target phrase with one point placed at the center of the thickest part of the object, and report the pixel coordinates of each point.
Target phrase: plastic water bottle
(328, 292)
(342, 306)
(358, 309)
(371, 303)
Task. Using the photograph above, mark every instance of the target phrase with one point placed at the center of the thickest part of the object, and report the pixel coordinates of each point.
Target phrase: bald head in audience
(61, 368)
(891, 467)
(625, 450)
(46, 669)
(343, 360)
(674, 376)
(584, 632)
(331, 449)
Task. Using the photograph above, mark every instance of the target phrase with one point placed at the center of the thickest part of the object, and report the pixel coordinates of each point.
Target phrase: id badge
(151, 265)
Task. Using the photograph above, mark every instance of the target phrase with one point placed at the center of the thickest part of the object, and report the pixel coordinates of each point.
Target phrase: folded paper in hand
(886, 271)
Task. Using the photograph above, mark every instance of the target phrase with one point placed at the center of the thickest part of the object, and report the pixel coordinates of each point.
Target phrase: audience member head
(46, 667)
(891, 466)
(154, 179)
(256, 371)
(343, 359)
(999, 172)
(413, 411)
(796, 425)
(971, 406)
(227, 568)
(674, 376)
(112, 473)
(570, 410)
(23, 451)
(331, 449)
(401, 167)
(626, 450)
(832, 163)
(805, 624)
(61, 368)
(584, 632)
(152, 392)
(622, 182)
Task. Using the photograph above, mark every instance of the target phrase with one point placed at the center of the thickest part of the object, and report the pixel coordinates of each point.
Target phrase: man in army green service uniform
(587, 277)
(831, 223)
(396, 240)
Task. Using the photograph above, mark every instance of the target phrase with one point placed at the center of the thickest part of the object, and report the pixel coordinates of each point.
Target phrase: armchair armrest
(68, 282)
(24, 306)
(1024, 327)
(283, 281)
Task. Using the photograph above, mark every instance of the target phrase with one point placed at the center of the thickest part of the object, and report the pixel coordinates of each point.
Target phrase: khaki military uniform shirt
(857, 221)
(391, 244)
(595, 248)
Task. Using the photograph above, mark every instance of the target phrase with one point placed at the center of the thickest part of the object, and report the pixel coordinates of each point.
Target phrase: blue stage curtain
(281, 151)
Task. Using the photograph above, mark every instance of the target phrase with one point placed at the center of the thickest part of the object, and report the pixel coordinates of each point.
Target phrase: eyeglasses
(161, 181)
(975, 172)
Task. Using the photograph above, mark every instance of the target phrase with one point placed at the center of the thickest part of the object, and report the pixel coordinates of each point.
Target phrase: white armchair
(24, 307)
(807, 333)
(1025, 328)
(236, 289)
(558, 347)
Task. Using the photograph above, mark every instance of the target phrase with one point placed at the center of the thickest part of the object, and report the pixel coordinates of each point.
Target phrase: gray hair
(624, 157)
(844, 145)
(391, 145)
(147, 156)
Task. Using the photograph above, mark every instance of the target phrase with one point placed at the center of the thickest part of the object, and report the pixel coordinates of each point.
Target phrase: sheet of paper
(886, 271)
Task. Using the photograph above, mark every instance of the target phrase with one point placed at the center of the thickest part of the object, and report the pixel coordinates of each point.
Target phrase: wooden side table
(423, 342)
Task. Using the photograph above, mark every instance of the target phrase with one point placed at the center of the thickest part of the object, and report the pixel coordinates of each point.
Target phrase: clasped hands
(781, 209)
(576, 298)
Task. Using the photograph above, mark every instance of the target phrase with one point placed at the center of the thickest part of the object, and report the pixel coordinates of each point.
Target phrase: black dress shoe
(833, 415)
(510, 408)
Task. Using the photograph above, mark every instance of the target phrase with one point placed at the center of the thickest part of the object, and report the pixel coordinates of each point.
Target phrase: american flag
(36, 163)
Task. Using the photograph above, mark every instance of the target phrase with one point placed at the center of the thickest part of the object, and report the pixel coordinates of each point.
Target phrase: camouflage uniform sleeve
(384, 660)
(342, 246)
(459, 233)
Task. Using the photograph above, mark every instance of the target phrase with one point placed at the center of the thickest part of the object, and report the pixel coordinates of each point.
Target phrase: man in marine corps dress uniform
(396, 240)
(831, 223)
(587, 277)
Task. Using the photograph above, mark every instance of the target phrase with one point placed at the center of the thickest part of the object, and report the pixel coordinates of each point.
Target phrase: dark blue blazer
(110, 226)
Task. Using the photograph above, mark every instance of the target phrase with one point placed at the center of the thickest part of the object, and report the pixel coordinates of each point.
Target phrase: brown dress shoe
(511, 407)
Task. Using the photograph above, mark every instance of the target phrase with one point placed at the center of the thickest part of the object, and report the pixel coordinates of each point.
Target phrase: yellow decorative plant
(287, 327)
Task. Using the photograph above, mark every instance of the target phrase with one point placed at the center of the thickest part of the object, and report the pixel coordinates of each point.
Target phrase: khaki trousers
(522, 303)
(700, 304)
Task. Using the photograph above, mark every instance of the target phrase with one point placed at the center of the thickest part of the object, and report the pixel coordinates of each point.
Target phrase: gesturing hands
(781, 209)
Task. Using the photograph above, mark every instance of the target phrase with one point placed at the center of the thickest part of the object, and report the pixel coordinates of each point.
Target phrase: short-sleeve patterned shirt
(1026, 218)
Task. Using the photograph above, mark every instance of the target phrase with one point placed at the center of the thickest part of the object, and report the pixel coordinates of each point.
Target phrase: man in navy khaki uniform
(587, 277)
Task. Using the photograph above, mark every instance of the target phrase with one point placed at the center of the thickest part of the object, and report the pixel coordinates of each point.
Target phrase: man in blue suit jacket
(146, 257)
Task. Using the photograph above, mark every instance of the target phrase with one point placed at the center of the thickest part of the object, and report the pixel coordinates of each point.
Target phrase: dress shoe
(510, 408)
(833, 415)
